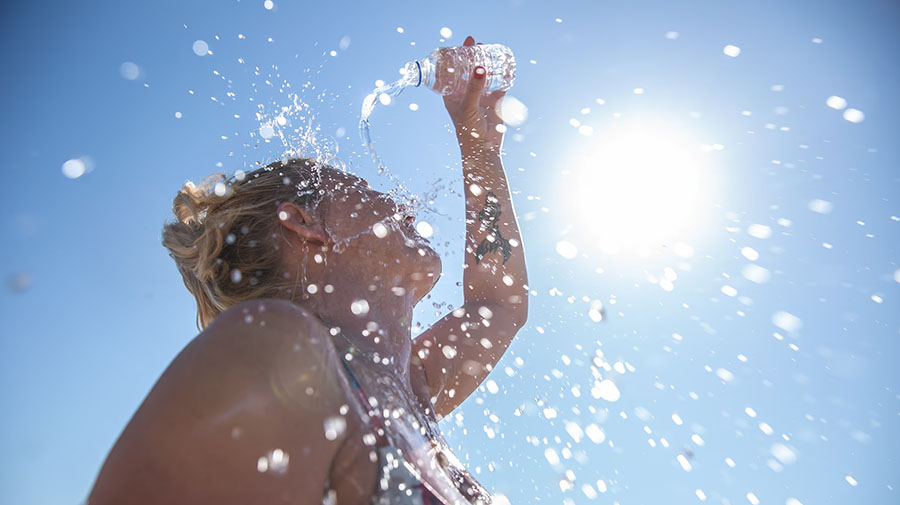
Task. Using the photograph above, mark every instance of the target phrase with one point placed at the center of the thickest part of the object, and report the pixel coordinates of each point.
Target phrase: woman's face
(373, 236)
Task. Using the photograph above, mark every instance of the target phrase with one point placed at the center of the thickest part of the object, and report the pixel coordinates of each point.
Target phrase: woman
(304, 385)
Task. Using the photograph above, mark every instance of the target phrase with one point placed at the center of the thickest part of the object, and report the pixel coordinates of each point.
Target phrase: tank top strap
(360, 394)
(353, 382)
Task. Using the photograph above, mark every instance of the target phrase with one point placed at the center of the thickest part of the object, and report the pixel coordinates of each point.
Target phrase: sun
(637, 187)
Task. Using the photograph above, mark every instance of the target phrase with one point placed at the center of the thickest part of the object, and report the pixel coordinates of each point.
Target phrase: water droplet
(759, 231)
(836, 102)
(334, 427)
(551, 455)
(201, 48)
(513, 111)
(74, 168)
(424, 229)
(731, 50)
(685, 464)
(783, 453)
(566, 249)
(129, 71)
(606, 390)
(725, 375)
(380, 230)
(854, 115)
(750, 253)
(787, 321)
(820, 206)
(359, 307)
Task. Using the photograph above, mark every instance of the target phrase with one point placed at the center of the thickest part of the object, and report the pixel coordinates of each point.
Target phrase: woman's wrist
(482, 165)
(472, 146)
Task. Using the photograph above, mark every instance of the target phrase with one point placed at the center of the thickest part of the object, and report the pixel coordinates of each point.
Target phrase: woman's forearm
(495, 271)
(460, 350)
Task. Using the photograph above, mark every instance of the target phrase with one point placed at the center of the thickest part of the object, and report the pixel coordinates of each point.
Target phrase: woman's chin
(427, 270)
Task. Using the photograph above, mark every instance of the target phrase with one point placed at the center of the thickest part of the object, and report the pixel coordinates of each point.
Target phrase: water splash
(384, 94)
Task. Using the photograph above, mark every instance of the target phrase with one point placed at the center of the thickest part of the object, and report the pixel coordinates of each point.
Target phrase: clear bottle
(446, 71)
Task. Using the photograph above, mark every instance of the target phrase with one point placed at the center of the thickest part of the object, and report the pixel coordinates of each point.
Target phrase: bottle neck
(422, 72)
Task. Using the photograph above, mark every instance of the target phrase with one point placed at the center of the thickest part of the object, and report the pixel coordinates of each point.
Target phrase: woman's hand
(475, 114)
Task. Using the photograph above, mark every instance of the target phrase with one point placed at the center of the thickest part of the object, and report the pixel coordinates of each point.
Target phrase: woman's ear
(301, 222)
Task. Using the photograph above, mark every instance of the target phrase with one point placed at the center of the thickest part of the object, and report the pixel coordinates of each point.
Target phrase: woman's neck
(374, 334)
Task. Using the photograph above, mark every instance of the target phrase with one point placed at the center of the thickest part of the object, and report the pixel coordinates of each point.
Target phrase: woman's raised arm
(459, 351)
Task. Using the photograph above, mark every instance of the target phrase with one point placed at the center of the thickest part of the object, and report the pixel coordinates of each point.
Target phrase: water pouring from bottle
(444, 71)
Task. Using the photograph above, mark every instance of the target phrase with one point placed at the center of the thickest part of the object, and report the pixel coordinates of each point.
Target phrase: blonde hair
(226, 240)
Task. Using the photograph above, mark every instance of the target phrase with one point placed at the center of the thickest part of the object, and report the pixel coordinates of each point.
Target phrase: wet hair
(226, 241)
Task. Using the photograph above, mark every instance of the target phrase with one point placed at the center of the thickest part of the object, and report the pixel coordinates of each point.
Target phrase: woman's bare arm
(459, 351)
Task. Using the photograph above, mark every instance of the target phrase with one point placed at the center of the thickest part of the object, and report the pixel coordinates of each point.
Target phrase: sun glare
(636, 188)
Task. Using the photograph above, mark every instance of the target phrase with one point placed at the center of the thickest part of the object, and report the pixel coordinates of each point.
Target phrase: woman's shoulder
(263, 312)
(261, 377)
(261, 325)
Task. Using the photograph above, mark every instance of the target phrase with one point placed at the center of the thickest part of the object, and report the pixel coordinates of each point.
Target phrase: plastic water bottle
(446, 71)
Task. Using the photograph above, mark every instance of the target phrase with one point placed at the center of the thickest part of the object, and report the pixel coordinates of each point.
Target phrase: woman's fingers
(473, 90)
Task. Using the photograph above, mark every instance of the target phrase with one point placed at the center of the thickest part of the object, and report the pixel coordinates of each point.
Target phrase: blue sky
(804, 409)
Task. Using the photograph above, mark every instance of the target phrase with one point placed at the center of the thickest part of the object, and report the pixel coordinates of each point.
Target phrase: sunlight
(636, 187)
